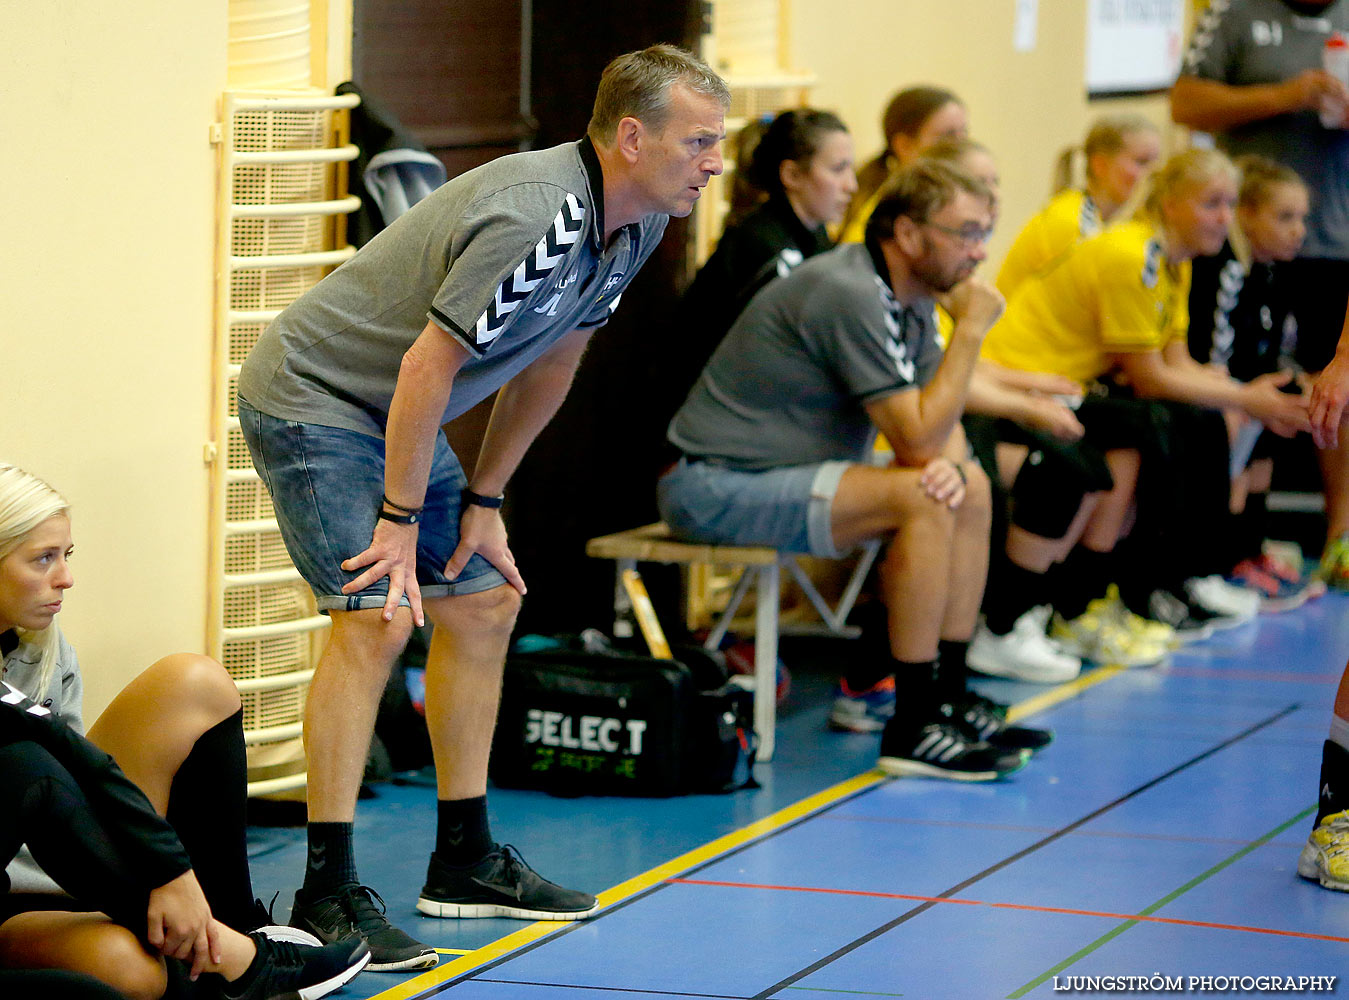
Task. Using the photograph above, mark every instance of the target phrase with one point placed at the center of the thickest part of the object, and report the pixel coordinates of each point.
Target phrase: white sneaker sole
(1310, 868)
(327, 986)
(902, 767)
(856, 724)
(284, 932)
(470, 911)
(1031, 674)
(423, 961)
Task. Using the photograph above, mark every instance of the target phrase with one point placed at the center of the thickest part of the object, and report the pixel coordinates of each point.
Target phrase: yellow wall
(106, 291)
(1026, 107)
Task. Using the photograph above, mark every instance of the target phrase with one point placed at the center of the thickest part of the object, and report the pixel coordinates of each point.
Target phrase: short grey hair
(637, 85)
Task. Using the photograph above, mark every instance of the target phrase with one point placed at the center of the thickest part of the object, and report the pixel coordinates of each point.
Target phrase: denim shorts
(788, 508)
(326, 484)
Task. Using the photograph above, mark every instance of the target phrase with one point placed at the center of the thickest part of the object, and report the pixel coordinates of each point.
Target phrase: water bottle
(1335, 61)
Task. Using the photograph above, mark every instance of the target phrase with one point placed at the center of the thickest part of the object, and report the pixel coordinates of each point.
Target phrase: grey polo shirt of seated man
(788, 390)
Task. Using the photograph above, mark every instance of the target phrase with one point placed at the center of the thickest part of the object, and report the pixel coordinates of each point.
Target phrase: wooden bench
(761, 567)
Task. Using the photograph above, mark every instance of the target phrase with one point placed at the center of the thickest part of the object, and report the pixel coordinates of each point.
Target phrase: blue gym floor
(1159, 834)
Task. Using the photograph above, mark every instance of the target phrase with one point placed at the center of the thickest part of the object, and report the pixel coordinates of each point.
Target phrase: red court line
(1015, 906)
(1254, 675)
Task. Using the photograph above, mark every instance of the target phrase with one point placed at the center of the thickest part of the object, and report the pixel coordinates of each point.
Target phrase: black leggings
(46, 808)
(207, 809)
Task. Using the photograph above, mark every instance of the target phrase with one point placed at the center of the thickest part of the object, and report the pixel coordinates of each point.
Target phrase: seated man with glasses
(777, 436)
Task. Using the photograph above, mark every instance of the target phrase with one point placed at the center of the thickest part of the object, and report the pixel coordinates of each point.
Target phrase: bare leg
(83, 942)
(91, 943)
(152, 725)
(340, 710)
(463, 684)
(1334, 464)
(969, 556)
(1112, 516)
(916, 571)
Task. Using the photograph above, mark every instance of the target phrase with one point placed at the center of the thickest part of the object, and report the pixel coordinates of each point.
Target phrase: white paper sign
(1133, 45)
(1023, 31)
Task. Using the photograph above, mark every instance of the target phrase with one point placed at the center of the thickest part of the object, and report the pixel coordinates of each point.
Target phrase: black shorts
(1319, 288)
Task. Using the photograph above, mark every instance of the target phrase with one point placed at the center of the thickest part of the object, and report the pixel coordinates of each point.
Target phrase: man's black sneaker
(500, 885)
(350, 915)
(283, 970)
(985, 720)
(945, 749)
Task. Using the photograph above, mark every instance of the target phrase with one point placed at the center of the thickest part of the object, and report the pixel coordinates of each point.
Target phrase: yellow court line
(527, 935)
(1064, 691)
(488, 953)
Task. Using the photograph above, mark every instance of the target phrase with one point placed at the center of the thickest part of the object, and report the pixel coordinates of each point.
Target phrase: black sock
(1082, 577)
(952, 672)
(916, 699)
(332, 859)
(1018, 591)
(872, 661)
(463, 836)
(1251, 528)
(1333, 791)
(208, 803)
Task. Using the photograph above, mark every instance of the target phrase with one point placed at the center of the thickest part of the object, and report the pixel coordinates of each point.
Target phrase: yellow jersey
(1116, 293)
(1069, 218)
(856, 229)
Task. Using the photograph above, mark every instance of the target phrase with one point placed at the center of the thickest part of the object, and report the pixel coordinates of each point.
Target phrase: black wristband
(388, 515)
(467, 497)
(398, 506)
(961, 473)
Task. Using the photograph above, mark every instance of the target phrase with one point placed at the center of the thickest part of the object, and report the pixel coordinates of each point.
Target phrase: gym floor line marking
(1024, 852)
(611, 989)
(1256, 675)
(1165, 838)
(1143, 917)
(1130, 922)
(439, 979)
(1064, 691)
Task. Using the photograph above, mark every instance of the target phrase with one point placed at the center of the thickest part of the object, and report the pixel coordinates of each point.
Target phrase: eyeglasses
(970, 234)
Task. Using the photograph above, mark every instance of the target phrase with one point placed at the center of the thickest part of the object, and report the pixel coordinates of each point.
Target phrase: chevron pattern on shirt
(546, 255)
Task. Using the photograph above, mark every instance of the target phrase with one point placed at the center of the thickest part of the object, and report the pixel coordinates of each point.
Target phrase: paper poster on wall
(1025, 24)
(1133, 46)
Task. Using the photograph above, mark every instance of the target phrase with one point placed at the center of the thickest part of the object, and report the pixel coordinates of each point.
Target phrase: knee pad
(1048, 491)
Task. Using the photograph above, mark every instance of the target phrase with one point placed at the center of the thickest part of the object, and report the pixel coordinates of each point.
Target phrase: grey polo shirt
(790, 382)
(1245, 42)
(506, 258)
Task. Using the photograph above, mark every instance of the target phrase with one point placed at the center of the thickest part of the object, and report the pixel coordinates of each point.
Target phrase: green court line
(1171, 897)
(856, 993)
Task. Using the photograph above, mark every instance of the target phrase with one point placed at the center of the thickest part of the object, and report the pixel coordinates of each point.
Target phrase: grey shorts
(326, 484)
(789, 508)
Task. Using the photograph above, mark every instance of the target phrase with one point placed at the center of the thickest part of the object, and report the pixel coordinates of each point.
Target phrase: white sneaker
(1023, 654)
(1220, 597)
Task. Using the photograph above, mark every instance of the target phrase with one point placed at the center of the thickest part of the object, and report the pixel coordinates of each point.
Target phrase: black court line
(622, 904)
(1012, 859)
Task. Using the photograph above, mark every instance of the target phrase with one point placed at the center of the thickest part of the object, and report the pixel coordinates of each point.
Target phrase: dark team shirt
(1242, 320)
